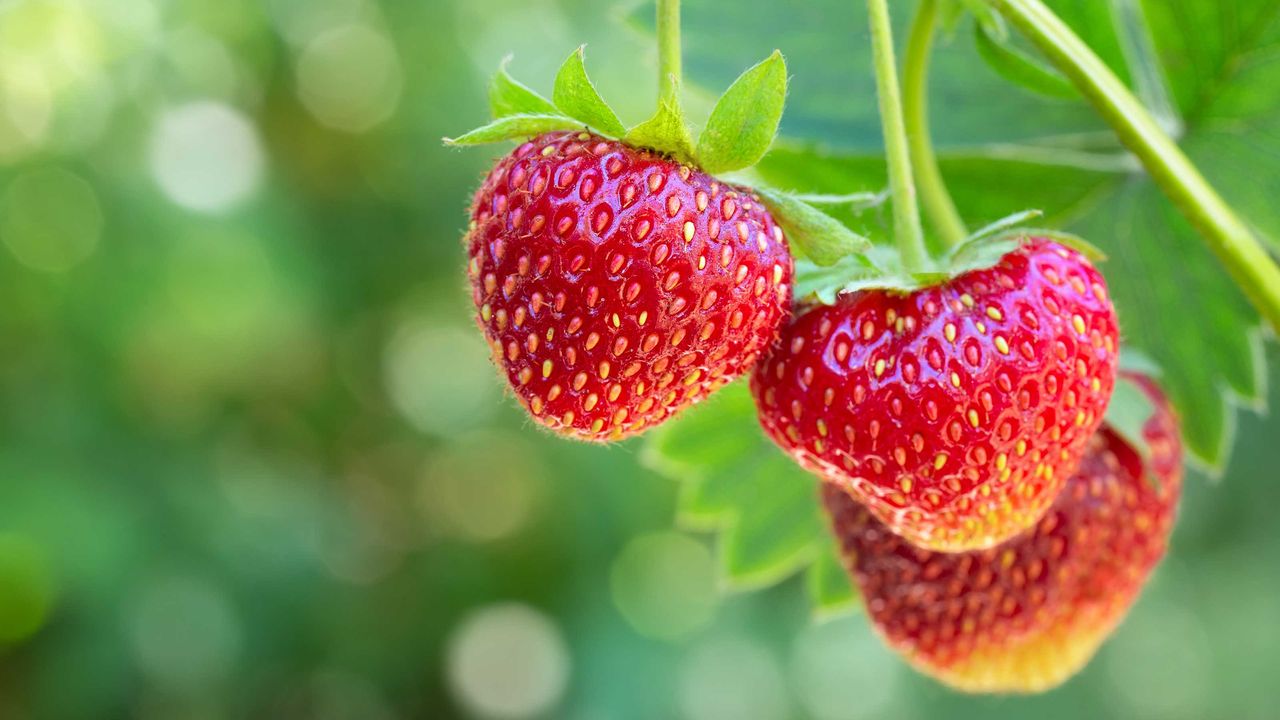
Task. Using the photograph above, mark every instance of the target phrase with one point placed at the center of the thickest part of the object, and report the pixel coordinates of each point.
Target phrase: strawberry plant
(955, 392)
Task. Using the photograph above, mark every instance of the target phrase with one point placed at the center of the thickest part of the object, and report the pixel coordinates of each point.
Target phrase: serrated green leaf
(830, 588)
(514, 127)
(576, 96)
(745, 119)
(1019, 68)
(815, 234)
(507, 96)
(665, 132)
(733, 479)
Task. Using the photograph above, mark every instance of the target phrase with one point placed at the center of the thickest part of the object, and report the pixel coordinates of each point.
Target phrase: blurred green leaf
(830, 588)
(745, 118)
(577, 97)
(735, 481)
(1017, 67)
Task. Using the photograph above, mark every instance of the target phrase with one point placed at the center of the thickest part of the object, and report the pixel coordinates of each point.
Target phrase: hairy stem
(937, 202)
(906, 212)
(668, 50)
(1226, 234)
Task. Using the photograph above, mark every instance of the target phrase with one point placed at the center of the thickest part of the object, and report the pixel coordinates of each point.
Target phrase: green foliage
(578, 98)
(1128, 412)
(735, 481)
(745, 118)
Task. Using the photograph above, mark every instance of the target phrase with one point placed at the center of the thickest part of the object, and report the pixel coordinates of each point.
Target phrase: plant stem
(938, 205)
(669, 73)
(906, 212)
(1226, 234)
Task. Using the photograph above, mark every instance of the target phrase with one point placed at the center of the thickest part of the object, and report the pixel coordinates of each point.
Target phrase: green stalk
(939, 208)
(1226, 234)
(906, 212)
(669, 73)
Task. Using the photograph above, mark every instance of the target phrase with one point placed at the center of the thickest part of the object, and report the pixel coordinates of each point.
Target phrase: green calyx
(739, 131)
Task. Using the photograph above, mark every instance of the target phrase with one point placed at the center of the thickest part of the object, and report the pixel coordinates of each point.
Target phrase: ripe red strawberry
(617, 286)
(1026, 615)
(956, 412)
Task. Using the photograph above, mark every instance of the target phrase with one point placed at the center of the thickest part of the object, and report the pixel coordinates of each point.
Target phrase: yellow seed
(949, 331)
(1078, 323)
(955, 379)
(973, 417)
(967, 299)
(1002, 345)
(590, 402)
(994, 313)
(939, 461)
(597, 425)
(906, 484)
(1001, 461)
(546, 368)
(688, 231)
(485, 312)
(644, 317)
(879, 368)
(1021, 448)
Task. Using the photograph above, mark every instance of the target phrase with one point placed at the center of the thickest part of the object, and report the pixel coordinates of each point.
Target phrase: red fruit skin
(1026, 615)
(616, 286)
(957, 412)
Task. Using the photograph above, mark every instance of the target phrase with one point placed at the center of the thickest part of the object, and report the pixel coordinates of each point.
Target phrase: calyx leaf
(745, 119)
(576, 96)
(508, 96)
(816, 235)
(665, 132)
(515, 126)
(1128, 412)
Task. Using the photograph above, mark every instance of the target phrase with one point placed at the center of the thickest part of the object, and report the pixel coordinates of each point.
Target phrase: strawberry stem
(1226, 234)
(668, 51)
(907, 231)
(939, 208)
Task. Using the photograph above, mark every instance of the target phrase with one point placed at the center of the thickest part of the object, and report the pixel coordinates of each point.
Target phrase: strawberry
(956, 412)
(617, 286)
(1026, 615)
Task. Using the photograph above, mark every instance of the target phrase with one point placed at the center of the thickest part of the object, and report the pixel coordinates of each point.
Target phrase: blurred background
(254, 461)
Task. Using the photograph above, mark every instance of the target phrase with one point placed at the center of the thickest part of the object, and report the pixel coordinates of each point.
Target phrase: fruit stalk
(938, 205)
(669, 71)
(1226, 234)
(906, 211)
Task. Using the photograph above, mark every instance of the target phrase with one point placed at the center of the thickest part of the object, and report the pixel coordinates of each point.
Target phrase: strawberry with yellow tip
(1026, 615)
(955, 412)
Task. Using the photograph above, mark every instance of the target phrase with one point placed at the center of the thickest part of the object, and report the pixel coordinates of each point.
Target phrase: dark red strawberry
(617, 286)
(1026, 615)
(956, 412)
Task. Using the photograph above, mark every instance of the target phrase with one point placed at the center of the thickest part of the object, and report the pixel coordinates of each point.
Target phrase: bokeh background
(254, 461)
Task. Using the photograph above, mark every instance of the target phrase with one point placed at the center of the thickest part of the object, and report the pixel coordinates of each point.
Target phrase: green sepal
(513, 127)
(508, 96)
(745, 119)
(576, 96)
(816, 235)
(665, 132)
(1019, 68)
(1127, 414)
